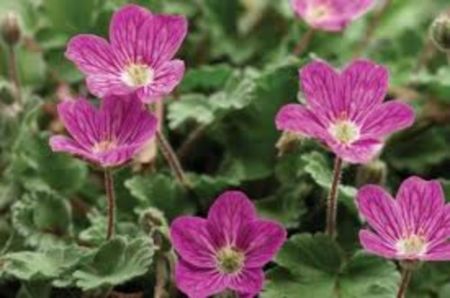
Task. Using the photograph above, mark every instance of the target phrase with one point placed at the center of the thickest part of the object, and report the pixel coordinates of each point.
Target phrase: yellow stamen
(137, 75)
(230, 260)
(344, 131)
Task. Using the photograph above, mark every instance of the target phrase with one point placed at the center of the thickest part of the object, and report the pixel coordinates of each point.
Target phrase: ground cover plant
(239, 148)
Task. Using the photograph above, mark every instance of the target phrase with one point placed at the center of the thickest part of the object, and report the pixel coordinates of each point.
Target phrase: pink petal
(162, 36)
(117, 156)
(104, 84)
(421, 203)
(250, 280)
(126, 32)
(167, 78)
(376, 245)
(191, 239)
(388, 118)
(359, 152)
(65, 144)
(364, 86)
(80, 119)
(228, 215)
(296, 118)
(381, 212)
(321, 85)
(260, 240)
(438, 253)
(198, 282)
(438, 228)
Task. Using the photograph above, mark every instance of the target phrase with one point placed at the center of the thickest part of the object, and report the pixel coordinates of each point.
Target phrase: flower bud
(287, 142)
(440, 31)
(10, 28)
(152, 219)
(374, 172)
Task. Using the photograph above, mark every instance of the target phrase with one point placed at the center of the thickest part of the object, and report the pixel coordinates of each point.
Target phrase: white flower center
(137, 75)
(317, 13)
(344, 131)
(104, 146)
(412, 246)
(230, 260)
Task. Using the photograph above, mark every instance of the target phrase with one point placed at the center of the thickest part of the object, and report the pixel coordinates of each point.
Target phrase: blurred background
(220, 120)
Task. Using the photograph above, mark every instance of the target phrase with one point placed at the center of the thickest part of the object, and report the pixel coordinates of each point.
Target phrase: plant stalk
(404, 283)
(332, 201)
(14, 74)
(304, 42)
(111, 198)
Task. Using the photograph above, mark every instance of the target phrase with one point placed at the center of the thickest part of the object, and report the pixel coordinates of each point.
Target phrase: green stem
(304, 42)
(111, 198)
(404, 283)
(14, 74)
(332, 199)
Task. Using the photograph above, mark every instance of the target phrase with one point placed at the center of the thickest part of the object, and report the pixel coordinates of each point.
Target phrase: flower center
(412, 246)
(316, 13)
(344, 131)
(137, 75)
(104, 146)
(230, 260)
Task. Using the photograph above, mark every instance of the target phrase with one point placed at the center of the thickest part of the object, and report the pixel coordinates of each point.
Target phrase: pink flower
(225, 251)
(345, 110)
(138, 57)
(109, 136)
(415, 226)
(330, 15)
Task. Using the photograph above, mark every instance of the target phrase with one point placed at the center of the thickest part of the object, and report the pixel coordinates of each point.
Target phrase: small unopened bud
(152, 219)
(287, 142)
(440, 31)
(10, 28)
(374, 172)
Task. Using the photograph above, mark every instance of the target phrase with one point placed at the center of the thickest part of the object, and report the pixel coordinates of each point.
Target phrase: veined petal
(381, 212)
(438, 228)
(92, 55)
(199, 282)
(296, 118)
(364, 86)
(260, 240)
(192, 241)
(321, 85)
(376, 245)
(359, 152)
(439, 253)
(388, 118)
(104, 84)
(126, 32)
(228, 215)
(167, 78)
(250, 280)
(80, 119)
(65, 144)
(118, 156)
(420, 203)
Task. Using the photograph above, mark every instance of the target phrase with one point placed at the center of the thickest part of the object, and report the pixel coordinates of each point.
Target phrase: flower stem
(404, 283)
(332, 199)
(14, 74)
(304, 42)
(172, 160)
(111, 197)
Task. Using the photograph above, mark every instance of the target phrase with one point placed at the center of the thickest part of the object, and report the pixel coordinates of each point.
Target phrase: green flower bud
(374, 172)
(440, 31)
(10, 28)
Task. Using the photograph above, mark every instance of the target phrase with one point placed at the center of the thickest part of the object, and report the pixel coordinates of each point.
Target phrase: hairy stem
(332, 199)
(304, 42)
(14, 74)
(404, 283)
(111, 197)
(172, 160)
(190, 141)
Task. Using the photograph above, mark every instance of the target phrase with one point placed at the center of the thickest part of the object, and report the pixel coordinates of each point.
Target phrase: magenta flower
(109, 136)
(345, 110)
(415, 226)
(330, 15)
(138, 57)
(225, 251)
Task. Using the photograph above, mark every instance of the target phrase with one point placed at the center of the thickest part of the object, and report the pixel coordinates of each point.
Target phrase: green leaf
(192, 107)
(206, 78)
(316, 267)
(34, 290)
(116, 262)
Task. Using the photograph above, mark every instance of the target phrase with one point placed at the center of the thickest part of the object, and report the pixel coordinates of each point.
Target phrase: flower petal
(192, 241)
(65, 144)
(296, 118)
(260, 240)
(438, 253)
(381, 212)
(361, 151)
(420, 203)
(321, 85)
(118, 155)
(80, 119)
(104, 84)
(228, 215)
(167, 78)
(438, 228)
(376, 245)
(250, 280)
(364, 86)
(199, 282)
(388, 118)
(126, 32)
